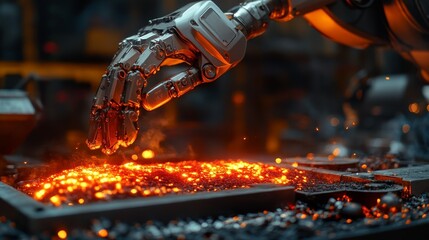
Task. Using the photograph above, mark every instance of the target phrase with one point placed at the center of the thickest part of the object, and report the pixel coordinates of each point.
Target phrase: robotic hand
(199, 34)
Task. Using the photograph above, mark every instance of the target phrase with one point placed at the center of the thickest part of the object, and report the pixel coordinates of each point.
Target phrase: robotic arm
(199, 34)
(210, 42)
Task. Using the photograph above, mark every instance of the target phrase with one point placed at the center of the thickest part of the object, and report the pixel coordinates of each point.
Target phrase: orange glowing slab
(104, 182)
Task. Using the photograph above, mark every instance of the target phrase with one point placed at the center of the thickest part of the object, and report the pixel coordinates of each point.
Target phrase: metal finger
(131, 100)
(174, 87)
(122, 64)
(96, 117)
(110, 131)
(95, 136)
(128, 127)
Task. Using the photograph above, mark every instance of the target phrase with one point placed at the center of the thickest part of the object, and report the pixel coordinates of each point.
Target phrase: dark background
(286, 98)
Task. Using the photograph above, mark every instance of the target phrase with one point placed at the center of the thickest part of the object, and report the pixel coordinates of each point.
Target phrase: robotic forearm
(252, 17)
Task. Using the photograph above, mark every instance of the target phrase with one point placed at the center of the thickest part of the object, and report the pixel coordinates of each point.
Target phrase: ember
(85, 184)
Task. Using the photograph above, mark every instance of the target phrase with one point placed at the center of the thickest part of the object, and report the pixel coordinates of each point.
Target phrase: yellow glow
(99, 195)
(134, 157)
(55, 200)
(147, 154)
(40, 194)
(62, 234)
(278, 160)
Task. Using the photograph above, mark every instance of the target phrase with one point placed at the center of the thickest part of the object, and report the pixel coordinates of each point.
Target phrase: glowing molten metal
(103, 182)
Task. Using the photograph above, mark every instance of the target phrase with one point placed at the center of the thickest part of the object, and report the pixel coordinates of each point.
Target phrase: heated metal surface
(104, 182)
(334, 187)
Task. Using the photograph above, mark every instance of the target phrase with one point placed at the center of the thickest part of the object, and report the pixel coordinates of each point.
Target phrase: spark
(55, 200)
(62, 234)
(103, 233)
(336, 152)
(310, 156)
(414, 108)
(148, 154)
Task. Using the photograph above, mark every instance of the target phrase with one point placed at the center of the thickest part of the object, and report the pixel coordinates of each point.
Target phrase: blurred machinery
(17, 116)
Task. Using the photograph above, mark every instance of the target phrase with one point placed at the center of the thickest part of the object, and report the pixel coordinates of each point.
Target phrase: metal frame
(35, 217)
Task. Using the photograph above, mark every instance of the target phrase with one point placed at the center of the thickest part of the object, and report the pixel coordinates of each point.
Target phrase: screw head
(121, 74)
(209, 71)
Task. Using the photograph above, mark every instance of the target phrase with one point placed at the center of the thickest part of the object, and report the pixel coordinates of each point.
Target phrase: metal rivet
(209, 71)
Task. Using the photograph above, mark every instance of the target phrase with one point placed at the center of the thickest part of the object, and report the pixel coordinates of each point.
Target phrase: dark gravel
(294, 222)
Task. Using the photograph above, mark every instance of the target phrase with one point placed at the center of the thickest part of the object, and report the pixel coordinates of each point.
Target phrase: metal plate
(414, 179)
(338, 163)
(34, 217)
